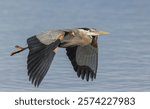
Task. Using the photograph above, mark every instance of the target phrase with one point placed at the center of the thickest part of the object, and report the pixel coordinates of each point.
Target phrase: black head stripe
(87, 29)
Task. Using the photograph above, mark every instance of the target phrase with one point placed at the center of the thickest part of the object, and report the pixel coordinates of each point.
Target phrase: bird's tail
(18, 50)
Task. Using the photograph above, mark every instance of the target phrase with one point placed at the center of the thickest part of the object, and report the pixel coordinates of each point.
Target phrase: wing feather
(39, 59)
(84, 60)
(87, 56)
(50, 36)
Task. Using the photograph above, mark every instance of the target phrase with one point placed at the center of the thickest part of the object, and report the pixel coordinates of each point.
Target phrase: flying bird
(81, 48)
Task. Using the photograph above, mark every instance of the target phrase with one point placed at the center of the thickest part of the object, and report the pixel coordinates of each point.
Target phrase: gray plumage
(49, 37)
(87, 56)
(81, 49)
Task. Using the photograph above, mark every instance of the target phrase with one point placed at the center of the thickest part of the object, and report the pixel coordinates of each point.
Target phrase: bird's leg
(18, 50)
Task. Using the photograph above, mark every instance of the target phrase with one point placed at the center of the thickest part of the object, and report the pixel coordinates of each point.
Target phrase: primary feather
(81, 49)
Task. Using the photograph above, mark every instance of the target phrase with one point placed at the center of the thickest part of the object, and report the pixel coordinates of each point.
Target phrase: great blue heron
(81, 46)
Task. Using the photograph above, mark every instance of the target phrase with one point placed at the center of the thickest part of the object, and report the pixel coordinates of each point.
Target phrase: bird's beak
(102, 33)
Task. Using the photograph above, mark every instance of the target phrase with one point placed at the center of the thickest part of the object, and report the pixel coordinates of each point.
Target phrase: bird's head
(93, 32)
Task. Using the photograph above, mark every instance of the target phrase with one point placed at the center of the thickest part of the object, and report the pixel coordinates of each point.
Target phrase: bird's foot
(18, 50)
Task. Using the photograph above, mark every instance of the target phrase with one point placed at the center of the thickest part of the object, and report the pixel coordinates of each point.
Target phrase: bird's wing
(41, 54)
(50, 36)
(84, 60)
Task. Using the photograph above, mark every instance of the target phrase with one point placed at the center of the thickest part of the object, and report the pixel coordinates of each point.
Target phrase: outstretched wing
(41, 54)
(84, 60)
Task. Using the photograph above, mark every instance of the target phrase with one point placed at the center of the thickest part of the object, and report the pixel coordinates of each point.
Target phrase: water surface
(124, 55)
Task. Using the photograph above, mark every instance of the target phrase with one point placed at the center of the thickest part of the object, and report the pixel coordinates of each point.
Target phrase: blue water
(124, 55)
